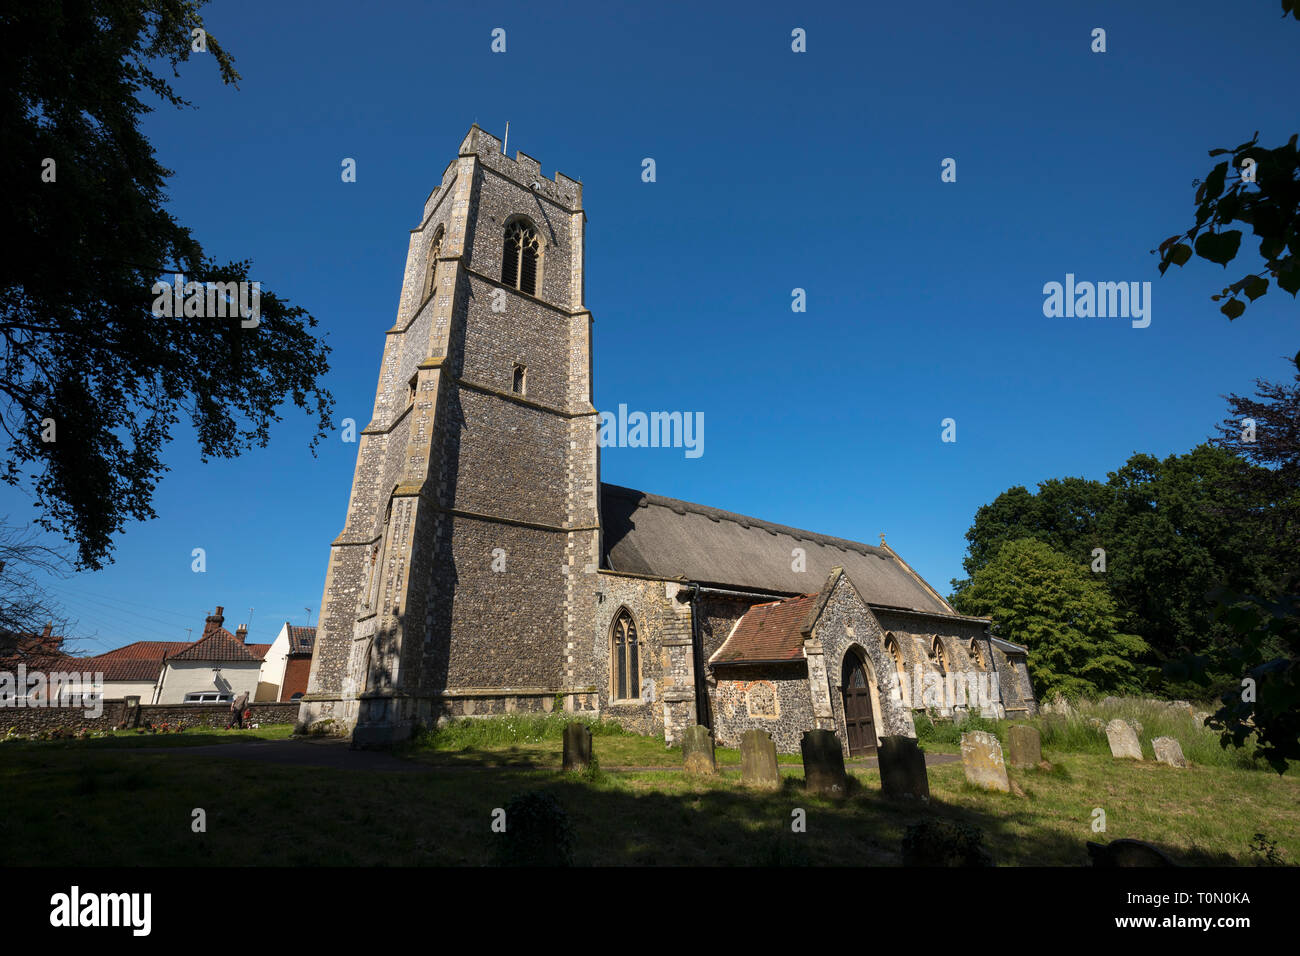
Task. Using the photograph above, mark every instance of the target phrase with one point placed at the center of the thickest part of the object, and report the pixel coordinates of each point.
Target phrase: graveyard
(131, 802)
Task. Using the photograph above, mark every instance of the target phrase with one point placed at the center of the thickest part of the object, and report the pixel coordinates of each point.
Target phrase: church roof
(664, 537)
(767, 633)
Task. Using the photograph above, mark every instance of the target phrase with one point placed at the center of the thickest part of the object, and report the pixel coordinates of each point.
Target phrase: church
(485, 568)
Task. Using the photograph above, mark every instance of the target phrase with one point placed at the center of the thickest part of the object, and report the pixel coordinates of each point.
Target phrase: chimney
(213, 622)
(241, 634)
(47, 631)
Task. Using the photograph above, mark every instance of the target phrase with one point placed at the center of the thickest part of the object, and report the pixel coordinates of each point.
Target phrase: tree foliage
(1172, 532)
(1260, 188)
(1058, 609)
(80, 346)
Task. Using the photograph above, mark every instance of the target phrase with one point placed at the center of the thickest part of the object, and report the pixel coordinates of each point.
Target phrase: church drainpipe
(702, 715)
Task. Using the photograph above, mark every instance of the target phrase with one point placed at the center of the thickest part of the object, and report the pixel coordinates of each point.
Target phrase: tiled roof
(301, 639)
(220, 645)
(125, 668)
(768, 632)
(147, 650)
(664, 537)
(258, 650)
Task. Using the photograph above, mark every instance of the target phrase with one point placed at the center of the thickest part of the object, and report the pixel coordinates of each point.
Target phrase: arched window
(520, 379)
(521, 257)
(900, 666)
(977, 654)
(431, 265)
(938, 656)
(625, 658)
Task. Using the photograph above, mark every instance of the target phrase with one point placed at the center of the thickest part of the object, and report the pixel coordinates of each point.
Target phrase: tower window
(624, 660)
(410, 389)
(431, 265)
(520, 258)
(520, 379)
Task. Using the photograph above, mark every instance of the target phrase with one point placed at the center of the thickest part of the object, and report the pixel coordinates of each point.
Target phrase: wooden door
(858, 718)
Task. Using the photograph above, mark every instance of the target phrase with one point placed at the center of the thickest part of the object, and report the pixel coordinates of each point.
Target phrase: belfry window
(520, 258)
(624, 658)
(520, 380)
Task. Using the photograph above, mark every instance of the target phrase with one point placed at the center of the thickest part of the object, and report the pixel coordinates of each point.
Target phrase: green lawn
(81, 804)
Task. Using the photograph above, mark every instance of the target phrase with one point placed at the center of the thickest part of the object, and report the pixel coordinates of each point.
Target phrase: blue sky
(775, 170)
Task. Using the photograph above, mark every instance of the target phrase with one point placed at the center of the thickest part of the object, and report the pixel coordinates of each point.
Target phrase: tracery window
(521, 257)
(625, 657)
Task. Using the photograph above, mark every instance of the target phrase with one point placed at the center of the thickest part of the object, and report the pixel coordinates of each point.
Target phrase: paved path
(337, 755)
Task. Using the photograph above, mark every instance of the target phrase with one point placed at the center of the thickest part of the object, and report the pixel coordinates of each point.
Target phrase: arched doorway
(859, 718)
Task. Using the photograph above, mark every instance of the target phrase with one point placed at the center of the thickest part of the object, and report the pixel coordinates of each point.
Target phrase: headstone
(758, 760)
(1096, 723)
(1136, 725)
(902, 768)
(1109, 701)
(697, 751)
(981, 756)
(1024, 746)
(1168, 751)
(1127, 853)
(1200, 717)
(1123, 741)
(823, 763)
(1181, 705)
(577, 746)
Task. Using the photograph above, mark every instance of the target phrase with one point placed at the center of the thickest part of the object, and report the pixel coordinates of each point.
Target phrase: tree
(1265, 431)
(1059, 610)
(1263, 192)
(1172, 531)
(29, 618)
(92, 381)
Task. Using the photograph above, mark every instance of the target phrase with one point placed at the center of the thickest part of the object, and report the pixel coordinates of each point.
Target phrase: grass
(133, 808)
(129, 739)
(1073, 733)
(534, 740)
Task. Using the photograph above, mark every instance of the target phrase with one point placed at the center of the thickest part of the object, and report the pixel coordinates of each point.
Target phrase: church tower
(473, 520)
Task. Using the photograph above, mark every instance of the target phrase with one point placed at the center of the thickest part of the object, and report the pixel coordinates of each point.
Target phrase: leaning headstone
(758, 760)
(1168, 751)
(823, 763)
(1024, 746)
(697, 751)
(981, 756)
(1123, 741)
(902, 768)
(577, 746)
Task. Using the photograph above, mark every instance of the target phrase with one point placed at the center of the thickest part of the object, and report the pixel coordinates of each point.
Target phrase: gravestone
(1123, 740)
(697, 751)
(758, 760)
(981, 756)
(1168, 751)
(902, 768)
(1201, 716)
(823, 763)
(577, 746)
(1024, 746)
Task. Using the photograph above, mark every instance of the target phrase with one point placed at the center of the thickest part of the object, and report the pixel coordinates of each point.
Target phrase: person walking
(237, 711)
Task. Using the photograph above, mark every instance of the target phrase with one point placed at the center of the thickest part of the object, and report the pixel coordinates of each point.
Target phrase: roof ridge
(681, 507)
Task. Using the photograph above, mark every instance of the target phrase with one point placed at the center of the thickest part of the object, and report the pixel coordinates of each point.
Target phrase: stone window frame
(895, 652)
(776, 701)
(374, 573)
(633, 680)
(977, 655)
(431, 265)
(522, 224)
(519, 379)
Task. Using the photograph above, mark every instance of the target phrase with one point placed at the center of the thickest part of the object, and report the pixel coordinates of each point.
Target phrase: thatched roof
(664, 537)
